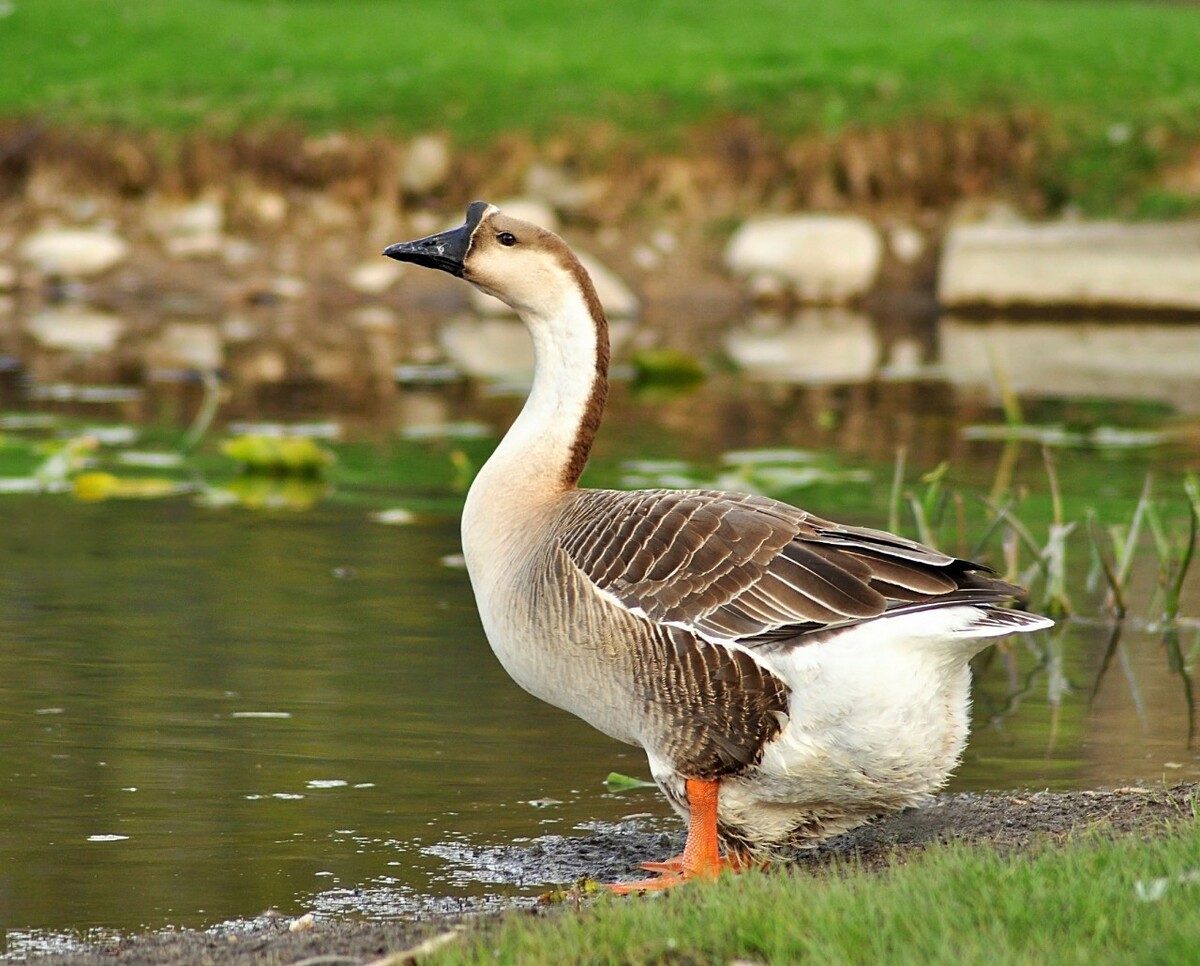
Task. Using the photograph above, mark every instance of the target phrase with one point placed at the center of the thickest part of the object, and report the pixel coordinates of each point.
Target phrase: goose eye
(507, 239)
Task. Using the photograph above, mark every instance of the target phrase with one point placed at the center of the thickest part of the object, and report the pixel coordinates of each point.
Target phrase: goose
(788, 677)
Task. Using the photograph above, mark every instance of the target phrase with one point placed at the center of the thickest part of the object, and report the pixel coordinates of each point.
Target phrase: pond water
(211, 710)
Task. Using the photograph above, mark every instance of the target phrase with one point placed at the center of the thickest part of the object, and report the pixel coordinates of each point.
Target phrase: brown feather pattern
(714, 707)
(749, 569)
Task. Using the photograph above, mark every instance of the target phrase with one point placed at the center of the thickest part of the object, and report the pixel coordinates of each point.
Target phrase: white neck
(542, 453)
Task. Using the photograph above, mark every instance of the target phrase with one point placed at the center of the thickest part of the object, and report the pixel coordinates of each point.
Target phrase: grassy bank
(1095, 900)
(1115, 86)
(482, 66)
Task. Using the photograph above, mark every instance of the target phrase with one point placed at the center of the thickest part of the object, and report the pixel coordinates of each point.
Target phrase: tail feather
(997, 622)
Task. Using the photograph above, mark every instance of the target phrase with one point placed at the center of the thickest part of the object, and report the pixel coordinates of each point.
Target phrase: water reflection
(210, 711)
(229, 692)
(75, 329)
(1097, 724)
(1110, 360)
(813, 346)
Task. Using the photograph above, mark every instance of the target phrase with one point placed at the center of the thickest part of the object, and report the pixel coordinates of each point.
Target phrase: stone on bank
(74, 252)
(1148, 266)
(820, 258)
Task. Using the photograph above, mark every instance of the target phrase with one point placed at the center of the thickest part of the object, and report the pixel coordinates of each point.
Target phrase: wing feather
(739, 567)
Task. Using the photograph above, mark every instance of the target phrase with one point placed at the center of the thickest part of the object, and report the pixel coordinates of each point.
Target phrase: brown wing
(740, 567)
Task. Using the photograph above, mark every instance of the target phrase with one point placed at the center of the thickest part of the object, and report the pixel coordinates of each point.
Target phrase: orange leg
(701, 858)
(735, 861)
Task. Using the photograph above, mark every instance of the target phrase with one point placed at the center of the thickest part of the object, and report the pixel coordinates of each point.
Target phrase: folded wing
(737, 567)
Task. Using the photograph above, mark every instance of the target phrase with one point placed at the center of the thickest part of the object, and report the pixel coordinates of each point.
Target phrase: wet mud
(1010, 823)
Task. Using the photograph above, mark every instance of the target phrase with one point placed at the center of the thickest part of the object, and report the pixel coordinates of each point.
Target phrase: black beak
(447, 250)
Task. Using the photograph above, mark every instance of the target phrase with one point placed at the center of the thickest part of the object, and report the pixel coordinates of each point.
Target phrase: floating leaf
(669, 366)
(261, 492)
(96, 486)
(617, 782)
(281, 455)
(93, 487)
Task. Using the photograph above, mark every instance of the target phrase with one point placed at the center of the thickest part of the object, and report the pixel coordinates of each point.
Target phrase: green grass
(478, 67)
(1094, 901)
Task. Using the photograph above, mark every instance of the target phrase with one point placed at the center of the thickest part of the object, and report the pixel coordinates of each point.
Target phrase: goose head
(524, 265)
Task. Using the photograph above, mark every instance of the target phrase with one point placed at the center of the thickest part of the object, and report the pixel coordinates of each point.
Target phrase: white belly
(877, 721)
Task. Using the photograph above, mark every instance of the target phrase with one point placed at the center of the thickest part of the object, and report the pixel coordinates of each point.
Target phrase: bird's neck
(545, 450)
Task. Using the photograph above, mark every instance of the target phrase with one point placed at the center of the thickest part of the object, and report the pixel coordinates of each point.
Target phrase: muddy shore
(1011, 823)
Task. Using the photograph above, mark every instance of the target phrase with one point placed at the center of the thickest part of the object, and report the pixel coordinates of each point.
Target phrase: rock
(269, 208)
(193, 246)
(1147, 266)
(74, 252)
(554, 186)
(375, 318)
(768, 288)
(491, 348)
(75, 329)
(617, 298)
(237, 328)
(187, 345)
(665, 241)
(906, 243)
(426, 164)
(376, 276)
(421, 223)
(288, 287)
(650, 255)
(203, 217)
(814, 346)
(334, 365)
(820, 257)
(189, 230)
(258, 365)
(237, 252)
(646, 258)
(486, 304)
(530, 209)
(330, 214)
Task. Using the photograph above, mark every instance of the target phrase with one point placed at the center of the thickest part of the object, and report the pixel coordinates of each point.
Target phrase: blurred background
(922, 264)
